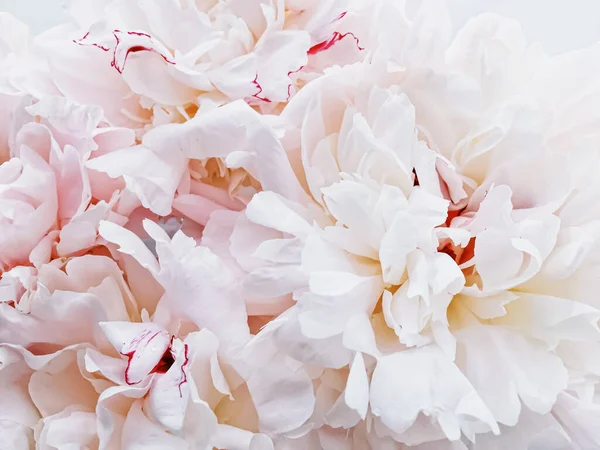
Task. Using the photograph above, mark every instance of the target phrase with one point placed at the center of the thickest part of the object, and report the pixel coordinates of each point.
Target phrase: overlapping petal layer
(296, 224)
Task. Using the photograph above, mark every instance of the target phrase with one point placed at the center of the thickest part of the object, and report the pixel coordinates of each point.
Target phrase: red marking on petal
(114, 61)
(325, 45)
(92, 44)
(260, 89)
(183, 374)
(131, 354)
(340, 17)
(138, 33)
(134, 49)
(289, 93)
(137, 48)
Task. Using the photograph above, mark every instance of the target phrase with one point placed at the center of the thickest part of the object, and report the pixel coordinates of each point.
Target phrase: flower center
(165, 363)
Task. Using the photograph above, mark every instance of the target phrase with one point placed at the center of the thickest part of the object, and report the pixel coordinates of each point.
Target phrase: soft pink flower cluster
(296, 225)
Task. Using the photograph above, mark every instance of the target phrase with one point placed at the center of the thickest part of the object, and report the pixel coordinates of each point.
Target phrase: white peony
(424, 265)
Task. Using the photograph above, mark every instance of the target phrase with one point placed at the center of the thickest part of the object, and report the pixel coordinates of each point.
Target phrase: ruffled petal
(400, 391)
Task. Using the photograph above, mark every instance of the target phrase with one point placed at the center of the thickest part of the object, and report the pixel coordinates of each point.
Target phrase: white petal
(522, 370)
(142, 343)
(407, 383)
(15, 436)
(552, 319)
(152, 174)
(356, 394)
(129, 244)
(283, 398)
(139, 433)
(68, 429)
(169, 393)
(578, 418)
(273, 211)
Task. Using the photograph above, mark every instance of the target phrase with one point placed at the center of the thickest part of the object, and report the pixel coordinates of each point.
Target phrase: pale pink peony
(152, 62)
(149, 64)
(49, 209)
(130, 371)
(45, 184)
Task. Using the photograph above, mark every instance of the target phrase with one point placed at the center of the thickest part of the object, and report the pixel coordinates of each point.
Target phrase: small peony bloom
(53, 203)
(157, 368)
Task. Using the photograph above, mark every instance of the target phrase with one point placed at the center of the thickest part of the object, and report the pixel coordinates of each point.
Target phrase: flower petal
(142, 343)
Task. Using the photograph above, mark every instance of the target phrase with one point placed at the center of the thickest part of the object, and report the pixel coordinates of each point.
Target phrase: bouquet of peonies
(296, 225)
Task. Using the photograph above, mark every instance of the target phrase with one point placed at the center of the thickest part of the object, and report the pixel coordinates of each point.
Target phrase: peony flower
(239, 54)
(214, 162)
(151, 62)
(53, 204)
(43, 346)
(219, 306)
(419, 269)
(157, 369)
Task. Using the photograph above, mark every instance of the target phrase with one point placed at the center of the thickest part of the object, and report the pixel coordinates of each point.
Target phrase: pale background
(558, 25)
